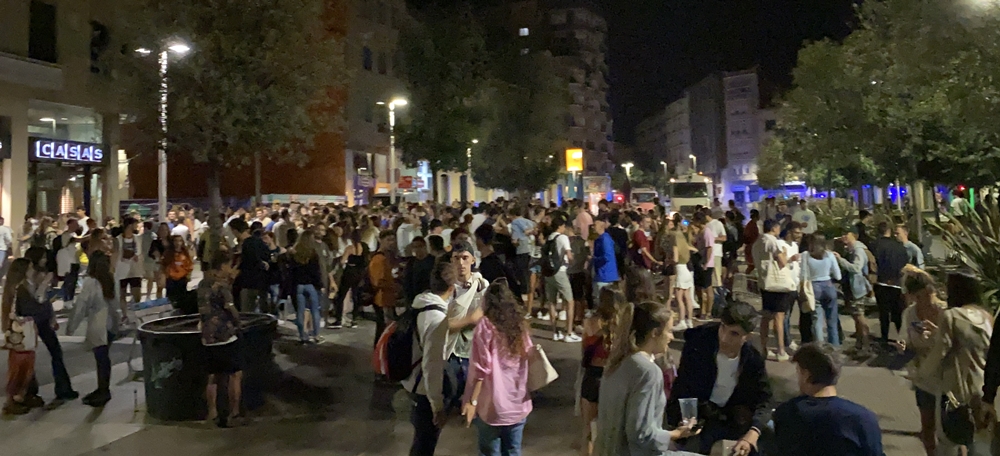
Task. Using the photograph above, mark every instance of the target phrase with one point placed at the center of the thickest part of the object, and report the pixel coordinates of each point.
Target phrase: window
(383, 61)
(366, 58)
(523, 31)
(99, 40)
(369, 110)
(42, 32)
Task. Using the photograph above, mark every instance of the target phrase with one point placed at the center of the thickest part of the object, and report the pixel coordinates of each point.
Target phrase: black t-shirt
(253, 254)
(821, 426)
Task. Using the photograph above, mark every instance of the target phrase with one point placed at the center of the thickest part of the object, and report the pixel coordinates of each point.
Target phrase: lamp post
(180, 49)
(694, 161)
(628, 169)
(469, 189)
(664, 167)
(393, 179)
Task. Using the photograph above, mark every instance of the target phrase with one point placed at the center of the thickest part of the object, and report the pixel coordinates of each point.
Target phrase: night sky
(659, 47)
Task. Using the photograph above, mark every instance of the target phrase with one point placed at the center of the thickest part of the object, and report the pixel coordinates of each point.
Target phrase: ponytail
(633, 326)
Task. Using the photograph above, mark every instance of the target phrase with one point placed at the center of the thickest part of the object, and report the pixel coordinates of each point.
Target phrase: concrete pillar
(14, 201)
(111, 190)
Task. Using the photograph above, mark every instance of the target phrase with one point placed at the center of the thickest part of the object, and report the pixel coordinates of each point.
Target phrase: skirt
(685, 279)
(20, 371)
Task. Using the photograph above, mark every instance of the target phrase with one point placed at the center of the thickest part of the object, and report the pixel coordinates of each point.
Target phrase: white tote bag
(777, 279)
(540, 370)
(807, 297)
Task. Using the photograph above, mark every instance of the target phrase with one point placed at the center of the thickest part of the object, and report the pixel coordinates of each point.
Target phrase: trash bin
(174, 371)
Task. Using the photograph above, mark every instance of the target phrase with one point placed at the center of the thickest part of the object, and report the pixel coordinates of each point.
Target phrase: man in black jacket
(890, 257)
(722, 369)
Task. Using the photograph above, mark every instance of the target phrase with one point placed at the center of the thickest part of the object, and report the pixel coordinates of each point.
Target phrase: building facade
(743, 135)
(58, 135)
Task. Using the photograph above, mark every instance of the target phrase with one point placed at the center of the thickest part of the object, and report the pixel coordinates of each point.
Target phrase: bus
(689, 191)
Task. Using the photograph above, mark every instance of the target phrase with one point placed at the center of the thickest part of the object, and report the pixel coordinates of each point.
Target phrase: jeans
(500, 440)
(274, 295)
(69, 282)
(890, 307)
(63, 388)
(304, 292)
(425, 433)
(827, 316)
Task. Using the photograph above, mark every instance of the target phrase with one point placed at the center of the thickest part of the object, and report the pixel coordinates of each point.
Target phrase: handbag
(22, 335)
(777, 279)
(807, 297)
(540, 370)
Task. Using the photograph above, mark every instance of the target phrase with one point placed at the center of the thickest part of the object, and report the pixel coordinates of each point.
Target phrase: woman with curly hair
(497, 397)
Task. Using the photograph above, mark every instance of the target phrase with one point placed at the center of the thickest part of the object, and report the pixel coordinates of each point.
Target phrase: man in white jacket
(464, 312)
(427, 381)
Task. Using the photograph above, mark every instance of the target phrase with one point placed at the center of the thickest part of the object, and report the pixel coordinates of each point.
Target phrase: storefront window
(67, 159)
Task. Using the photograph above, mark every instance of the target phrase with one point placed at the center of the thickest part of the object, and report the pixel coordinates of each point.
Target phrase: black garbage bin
(174, 370)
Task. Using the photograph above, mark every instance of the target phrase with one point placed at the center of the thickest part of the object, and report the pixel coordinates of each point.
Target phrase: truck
(688, 191)
(644, 198)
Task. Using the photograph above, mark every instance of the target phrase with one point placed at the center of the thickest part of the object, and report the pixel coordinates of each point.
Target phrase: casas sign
(43, 149)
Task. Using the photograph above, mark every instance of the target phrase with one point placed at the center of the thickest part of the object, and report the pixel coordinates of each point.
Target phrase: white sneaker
(793, 346)
(695, 305)
(558, 337)
(690, 323)
(528, 316)
(683, 325)
(544, 316)
(322, 324)
(783, 357)
(562, 315)
(572, 338)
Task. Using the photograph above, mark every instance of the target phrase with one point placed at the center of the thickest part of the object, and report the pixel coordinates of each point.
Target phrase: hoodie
(468, 297)
(429, 348)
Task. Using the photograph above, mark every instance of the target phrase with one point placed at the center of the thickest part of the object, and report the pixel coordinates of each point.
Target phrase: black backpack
(399, 360)
(552, 261)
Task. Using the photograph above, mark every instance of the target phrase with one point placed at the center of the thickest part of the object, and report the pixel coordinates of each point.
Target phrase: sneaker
(70, 396)
(544, 316)
(771, 355)
(322, 324)
(690, 323)
(336, 325)
(782, 357)
(793, 346)
(695, 305)
(683, 325)
(353, 325)
(572, 338)
(558, 337)
(97, 398)
(318, 340)
(34, 401)
(528, 316)
(562, 315)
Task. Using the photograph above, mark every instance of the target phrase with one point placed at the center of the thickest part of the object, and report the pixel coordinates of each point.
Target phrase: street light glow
(179, 48)
(399, 102)
(143, 51)
(475, 141)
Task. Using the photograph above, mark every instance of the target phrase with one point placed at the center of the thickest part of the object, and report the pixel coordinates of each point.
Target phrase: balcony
(30, 73)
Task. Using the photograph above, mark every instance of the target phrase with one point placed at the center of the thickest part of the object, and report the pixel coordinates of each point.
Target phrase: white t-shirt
(404, 236)
(725, 380)
(562, 246)
(477, 221)
(719, 230)
(792, 249)
(446, 235)
(958, 206)
(807, 218)
(181, 230)
(6, 238)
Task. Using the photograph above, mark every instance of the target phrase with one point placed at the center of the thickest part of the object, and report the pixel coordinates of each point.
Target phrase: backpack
(872, 267)
(552, 261)
(366, 289)
(393, 355)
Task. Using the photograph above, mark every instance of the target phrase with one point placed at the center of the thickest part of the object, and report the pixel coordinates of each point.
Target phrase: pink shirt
(582, 223)
(504, 399)
(707, 240)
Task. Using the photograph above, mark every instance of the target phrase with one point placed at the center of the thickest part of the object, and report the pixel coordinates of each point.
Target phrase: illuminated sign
(43, 149)
(574, 160)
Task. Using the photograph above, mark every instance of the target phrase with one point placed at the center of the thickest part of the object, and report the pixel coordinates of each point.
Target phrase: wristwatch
(474, 403)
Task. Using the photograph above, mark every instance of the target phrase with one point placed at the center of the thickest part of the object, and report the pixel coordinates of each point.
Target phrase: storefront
(67, 160)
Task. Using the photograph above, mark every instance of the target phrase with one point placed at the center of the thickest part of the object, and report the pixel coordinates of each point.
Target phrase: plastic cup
(689, 410)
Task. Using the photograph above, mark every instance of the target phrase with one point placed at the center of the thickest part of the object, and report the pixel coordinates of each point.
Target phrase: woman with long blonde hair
(630, 414)
(308, 280)
(496, 392)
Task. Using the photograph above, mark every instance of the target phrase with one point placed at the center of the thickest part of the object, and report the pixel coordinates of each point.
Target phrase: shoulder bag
(540, 370)
(807, 298)
(777, 279)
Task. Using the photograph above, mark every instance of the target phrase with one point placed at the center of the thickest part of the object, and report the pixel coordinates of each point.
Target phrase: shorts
(536, 266)
(558, 286)
(134, 282)
(590, 386)
(684, 280)
(717, 273)
(578, 283)
(224, 359)
(703, 278)
(925, 400)
(775, 302)
(856, 307)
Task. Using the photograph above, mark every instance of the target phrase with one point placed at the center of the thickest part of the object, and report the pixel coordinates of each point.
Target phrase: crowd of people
(472, 278)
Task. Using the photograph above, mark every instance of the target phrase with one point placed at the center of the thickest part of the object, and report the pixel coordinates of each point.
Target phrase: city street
(327, 403)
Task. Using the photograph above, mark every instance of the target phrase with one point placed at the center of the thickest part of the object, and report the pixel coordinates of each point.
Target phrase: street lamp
(393, 179)
(628, 169)
(664, 167)
(694, 160)
(469, 189)
(180, 49)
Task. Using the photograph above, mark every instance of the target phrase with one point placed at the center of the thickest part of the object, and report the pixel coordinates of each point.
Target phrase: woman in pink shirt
(496, 392)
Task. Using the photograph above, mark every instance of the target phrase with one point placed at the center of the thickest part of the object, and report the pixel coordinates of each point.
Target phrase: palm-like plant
(834, 218)
(974, 243)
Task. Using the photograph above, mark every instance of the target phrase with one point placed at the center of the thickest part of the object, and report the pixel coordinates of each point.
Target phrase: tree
(446, 67)
(525, 134)
(254, 82)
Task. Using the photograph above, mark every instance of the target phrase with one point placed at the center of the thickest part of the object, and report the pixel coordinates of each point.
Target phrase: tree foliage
(911, 94)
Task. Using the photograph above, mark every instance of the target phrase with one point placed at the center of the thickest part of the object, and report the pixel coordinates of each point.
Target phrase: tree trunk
(256, 179)
(918, 209)
(215, 239)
